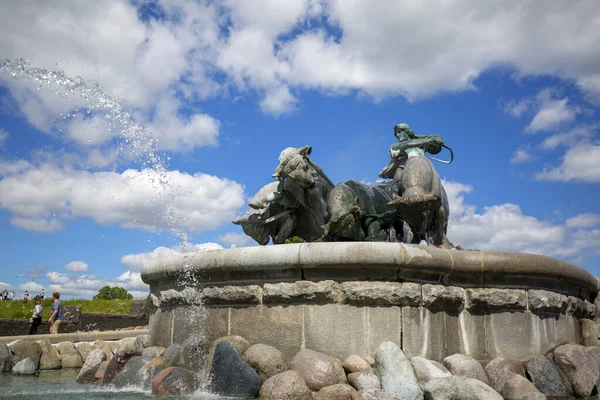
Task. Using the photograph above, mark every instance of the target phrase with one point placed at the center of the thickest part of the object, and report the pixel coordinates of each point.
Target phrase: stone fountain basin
(348, 297)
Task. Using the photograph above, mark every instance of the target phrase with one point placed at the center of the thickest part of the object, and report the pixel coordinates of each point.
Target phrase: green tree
(113, 293)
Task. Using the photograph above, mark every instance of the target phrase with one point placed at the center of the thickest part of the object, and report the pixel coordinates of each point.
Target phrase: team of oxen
(303, 203)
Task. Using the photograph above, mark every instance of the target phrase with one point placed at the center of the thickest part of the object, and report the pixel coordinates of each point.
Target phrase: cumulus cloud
(31, 287)
(551, 114)
(147, 199)
(522, 156)
(88, 285)
(135, 262)
(570, 137)
(579, 163)
(504, 227)
(76, 266)
(235, 239)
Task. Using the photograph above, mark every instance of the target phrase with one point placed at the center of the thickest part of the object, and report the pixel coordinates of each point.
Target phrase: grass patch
(22, 309)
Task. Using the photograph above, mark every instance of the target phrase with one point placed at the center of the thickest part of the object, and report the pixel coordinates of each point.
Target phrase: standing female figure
(36, 319)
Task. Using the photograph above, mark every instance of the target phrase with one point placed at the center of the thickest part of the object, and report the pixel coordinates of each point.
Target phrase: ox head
(252, 225)
(293, 164)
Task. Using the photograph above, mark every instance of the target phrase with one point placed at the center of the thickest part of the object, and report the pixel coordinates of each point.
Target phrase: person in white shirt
(36, 319)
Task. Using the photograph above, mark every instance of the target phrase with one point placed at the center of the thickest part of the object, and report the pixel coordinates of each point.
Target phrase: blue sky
(221, 87)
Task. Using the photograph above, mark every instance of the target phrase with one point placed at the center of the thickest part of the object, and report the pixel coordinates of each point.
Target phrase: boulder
(142, 342)
(230, 375)
(367, 384)
(517, 387)
(69, 355)
(355, 363)
(236, 341)
(132, 373)
(113, 346)
(102, 345)
(5, 358)
(467, 367)
(116, 363)
(579, 366)
(500, 369)
(128, 345)
(194, 351)
(91, 365)
(459, 388)
(150, 370)
(396, 373)
(287, 385)
(318, 369)
(99, 375)
(84, 349)
(545, 377)
(26, 349)
(153, 352)
(175, 381)
(172, 354)
(266, 360)
(24, 367)
(50, 359)
(595, 353)
(340, 391)
(425, 369)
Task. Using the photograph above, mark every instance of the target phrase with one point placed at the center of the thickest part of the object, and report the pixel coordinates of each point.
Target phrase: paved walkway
(78, 336)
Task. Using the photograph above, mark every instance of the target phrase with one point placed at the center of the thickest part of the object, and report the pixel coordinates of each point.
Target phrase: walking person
(26, 295)
(56, 317)
(36, 319)
(11, 295)
(42, 294)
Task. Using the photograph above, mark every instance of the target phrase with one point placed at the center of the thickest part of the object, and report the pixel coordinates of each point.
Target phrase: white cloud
(31, 287)
(3, 136)
(135, 262)
(586, 220)
(57, 277)
(522, 156)
(571, 137)
(76, 266)
(234, 239)
(504, 227)
(580, 163)
(551, 114)
(88, 285)
(143, 200)
(4, 285)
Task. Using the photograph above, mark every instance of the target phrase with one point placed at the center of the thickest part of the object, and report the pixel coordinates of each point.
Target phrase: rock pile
(232, 367)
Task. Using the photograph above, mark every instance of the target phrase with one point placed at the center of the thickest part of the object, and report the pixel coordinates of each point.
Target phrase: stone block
(335, 329)
(423, 333)
(301, 292)
(381, 293)
(384, 324)
(280, 327)
(544, 301)
(209, 323)
(580, 308)
(232, 295)
(496, 299)
(589, 331)
(466, 334)
(443, 297)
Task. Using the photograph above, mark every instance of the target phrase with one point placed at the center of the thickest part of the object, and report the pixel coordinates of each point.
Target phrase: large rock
(318, 369)
(396, 373)
(150, 370)
(236, 341)
(91, 365)
(102, 345)
(595, 353)
(5, 358)
(128, 345)
(69, 355)
(142, 342)
(50, 359)
(194, 351)
(172, 354)
(153, 352)
(84, 349)
(99, 375)
(24, 367)
(517, 387)
(26, 349)
(467, 367)
(459, 388)
(230, 375)
(116, 363)
(366, 384)
(500, 369)
(340, 391)
(288, 385)
(266, 360)
(132, 374)
(579, 366)
(356, 363)
(425, 369)
(175, 381)
(545, 377)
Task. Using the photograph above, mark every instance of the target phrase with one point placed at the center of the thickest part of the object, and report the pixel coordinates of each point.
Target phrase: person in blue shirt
(56, 316)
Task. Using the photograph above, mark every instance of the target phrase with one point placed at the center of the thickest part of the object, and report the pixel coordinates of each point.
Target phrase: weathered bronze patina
(412, 206)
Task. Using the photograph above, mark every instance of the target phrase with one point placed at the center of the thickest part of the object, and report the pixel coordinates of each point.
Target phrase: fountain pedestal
(346, 298)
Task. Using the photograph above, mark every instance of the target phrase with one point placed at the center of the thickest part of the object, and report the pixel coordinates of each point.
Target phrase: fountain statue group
(303, 203)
